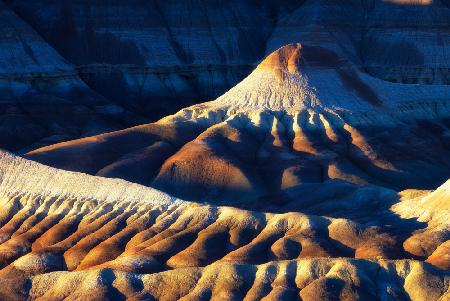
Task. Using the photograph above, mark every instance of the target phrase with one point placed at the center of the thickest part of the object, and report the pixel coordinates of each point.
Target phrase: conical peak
(298, 76)
(285, 60)
(278, 83)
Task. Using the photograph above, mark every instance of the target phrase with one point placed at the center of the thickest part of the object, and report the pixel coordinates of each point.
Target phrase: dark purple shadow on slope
(317, 56)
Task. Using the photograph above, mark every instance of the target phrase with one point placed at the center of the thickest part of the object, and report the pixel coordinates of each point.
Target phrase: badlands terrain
(273, 191)
(320, 169)
(75, 68)
(280, 134)
(71, 236)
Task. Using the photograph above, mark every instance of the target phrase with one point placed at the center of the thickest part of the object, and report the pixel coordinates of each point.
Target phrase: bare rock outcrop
(303, 118)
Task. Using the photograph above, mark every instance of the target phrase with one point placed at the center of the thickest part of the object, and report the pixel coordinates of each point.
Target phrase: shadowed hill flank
(42, 99)
(305, 117)
(101, 66)
(153, 58)
(68, 235)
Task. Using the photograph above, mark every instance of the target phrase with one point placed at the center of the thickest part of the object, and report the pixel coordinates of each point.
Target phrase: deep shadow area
(110, 51)
(111, 293)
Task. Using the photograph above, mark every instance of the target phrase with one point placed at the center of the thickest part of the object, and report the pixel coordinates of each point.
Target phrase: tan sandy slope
(75, 236)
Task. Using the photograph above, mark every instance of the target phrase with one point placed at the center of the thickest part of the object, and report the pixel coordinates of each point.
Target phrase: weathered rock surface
(71, 236)
(304, 181)
(304, 118)
(153, 58)
(398, 41)
(159, 56)
(42, 99)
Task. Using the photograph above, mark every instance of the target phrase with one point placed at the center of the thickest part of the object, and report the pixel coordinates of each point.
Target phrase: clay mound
(304, 279)
(304, 116)
(262, 158)
(63, 230)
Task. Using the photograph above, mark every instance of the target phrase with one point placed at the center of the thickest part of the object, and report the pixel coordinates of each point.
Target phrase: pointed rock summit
(277, 83)
(286, 60)
(298, 76)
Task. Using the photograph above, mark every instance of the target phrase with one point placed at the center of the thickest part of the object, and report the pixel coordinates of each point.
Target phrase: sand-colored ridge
(80, 238)
(312, 179)
(287, 59)
(305, 115)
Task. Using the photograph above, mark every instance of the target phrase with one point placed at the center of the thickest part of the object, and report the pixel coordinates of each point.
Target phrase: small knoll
(297, 76)
(304, 279)
(432, 206)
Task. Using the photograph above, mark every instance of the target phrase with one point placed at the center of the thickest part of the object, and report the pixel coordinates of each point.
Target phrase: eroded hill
(68, 235)
(114, 64)
(305, 118)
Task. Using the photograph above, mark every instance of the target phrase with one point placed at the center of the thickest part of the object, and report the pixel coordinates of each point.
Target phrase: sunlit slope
(71, 233)
(304, 116)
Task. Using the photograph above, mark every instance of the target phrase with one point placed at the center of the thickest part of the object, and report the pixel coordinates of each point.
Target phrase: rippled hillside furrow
(327, 279)
(129, 238)
(304, 117)
(171, 241)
